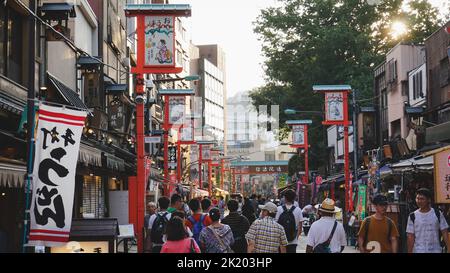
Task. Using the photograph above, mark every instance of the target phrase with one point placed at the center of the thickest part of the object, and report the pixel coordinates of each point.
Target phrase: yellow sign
(82, 247)
(442, 177)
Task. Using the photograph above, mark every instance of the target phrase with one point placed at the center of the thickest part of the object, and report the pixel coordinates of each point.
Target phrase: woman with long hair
(178, 240)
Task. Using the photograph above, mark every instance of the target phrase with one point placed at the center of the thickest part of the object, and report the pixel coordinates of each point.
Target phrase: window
(11, 28)
(417, 86)
(93, 197)
(392, 71)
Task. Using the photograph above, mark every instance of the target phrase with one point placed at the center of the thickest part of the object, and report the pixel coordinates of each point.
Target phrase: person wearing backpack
(379, 228)
(239, 226)
(157, 225)
(198, 220)
(326, 235)
(291, 218)
(425, 226)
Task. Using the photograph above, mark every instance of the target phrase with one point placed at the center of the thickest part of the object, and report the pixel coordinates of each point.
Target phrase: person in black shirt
(239, 226)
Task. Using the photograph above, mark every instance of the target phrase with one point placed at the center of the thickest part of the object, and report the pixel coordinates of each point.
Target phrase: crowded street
(148, 127)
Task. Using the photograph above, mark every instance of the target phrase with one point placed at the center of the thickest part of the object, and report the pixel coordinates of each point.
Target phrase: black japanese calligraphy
(68, 138)
(58, 215)
(49, 164)
(54, 134)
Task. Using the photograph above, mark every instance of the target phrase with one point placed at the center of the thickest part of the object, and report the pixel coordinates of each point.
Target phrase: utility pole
(355, 135)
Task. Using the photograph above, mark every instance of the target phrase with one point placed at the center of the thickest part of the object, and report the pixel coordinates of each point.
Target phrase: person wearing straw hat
(326, 235)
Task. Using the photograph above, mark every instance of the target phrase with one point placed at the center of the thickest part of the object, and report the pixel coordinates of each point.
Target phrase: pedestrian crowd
(254, 225)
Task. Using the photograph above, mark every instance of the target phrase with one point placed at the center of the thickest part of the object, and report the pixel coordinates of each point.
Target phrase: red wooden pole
(179, 158)
(200, 167)
(306, 154)
(233, 186)
(209, 178)
(222, 172)
(166, 146)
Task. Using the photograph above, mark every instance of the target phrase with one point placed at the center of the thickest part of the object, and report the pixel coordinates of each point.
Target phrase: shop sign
(206, 152)
(57, 145)
(362, 195)
(82, 247)
(159, 41)
(152, 139)
(334, 106)
(298, 134)
(442, 177)
(172, 161)
(177, 109)
(194, 169)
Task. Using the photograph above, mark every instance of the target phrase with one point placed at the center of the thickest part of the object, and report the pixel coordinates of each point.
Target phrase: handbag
(325, 246)
(227, 248)
(192, 247)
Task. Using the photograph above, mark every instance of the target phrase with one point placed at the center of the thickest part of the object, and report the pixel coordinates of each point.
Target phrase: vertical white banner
(159, 41)
(177, 109)
(334, 106)
(56, 155)
(298, 134)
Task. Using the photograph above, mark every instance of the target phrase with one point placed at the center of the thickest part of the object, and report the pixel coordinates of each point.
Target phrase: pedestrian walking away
(378, 230)
(157, 226)
(426, 226)
(266, 235)
(239, 226)
(326, 235)
(151, 209)
(176, 203)
(177, 239)
(291, 218)
(217, 237)
(198, 220)
(248, 211)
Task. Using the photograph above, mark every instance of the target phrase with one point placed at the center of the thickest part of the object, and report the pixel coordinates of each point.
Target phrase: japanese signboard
(172, 158)
(57, 146)
(194, 169)
(152, 139)
(177, 109)
(160, 41)
(334, 106)
(215, 155)
(116, 113)
(298, 134)
(442, 177)
(362, 196)
(187, 132)
(206, 152)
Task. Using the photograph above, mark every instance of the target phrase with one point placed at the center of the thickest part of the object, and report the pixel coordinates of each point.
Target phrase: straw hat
(328, 206)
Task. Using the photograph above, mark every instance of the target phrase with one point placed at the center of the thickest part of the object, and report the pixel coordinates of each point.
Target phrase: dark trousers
(156, 249)
(239, 246)
(291, 249)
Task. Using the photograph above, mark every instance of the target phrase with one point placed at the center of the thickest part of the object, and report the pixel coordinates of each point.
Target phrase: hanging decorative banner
(362, 195)
(215, 156)
(298, 134)
(194, 169)
(177, 109)
(442, 177)
(160, 41)
(206, 152)
(334, 106)
(187, 132)
(172, 161)
(57, 145)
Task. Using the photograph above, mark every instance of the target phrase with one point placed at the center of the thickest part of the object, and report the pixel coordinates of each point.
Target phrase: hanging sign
(442, 177)
(57, 146)
(160, 41)
(187, 132)
(194, 169)
(298, 134)
(334, 106)
(177, 109)
(172, 161)
(206, 152)
(362, 195)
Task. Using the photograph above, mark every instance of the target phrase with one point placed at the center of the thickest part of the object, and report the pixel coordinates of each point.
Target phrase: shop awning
(114, 163)
(12, 175)
(94, 229)
(420, 163)
(11, 104)
(89, 156)
(68, 94)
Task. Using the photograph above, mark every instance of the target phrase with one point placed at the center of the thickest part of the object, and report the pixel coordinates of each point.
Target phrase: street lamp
(293, 112)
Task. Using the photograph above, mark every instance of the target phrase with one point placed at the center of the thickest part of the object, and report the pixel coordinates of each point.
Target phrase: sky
(228, 23)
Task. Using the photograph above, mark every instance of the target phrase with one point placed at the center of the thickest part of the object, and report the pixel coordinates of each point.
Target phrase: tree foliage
(308, 42)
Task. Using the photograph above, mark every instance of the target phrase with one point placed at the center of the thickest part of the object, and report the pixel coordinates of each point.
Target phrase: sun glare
(398, 29)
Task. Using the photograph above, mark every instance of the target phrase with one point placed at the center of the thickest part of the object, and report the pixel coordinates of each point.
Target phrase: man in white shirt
(424, 228)
(290, 207)
(321, 230)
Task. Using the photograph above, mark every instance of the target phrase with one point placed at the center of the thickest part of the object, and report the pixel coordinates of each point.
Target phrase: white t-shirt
(425, 230)
(298, 218)
(320, 231)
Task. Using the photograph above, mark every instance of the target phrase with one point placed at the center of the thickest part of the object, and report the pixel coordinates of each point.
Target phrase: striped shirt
(238, 223)
(267, 234)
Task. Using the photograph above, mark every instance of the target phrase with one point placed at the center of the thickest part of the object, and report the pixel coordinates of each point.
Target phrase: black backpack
(158, 228)
(437, 211)
(287, 220)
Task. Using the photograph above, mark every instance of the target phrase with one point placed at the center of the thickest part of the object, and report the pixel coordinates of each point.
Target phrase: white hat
(328, 206)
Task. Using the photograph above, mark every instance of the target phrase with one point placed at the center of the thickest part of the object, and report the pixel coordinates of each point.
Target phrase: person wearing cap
(322, 229)
(378, 229)
(266, 235)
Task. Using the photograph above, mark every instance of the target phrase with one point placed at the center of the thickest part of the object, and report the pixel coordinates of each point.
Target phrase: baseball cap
(380, 200)
(269, 206)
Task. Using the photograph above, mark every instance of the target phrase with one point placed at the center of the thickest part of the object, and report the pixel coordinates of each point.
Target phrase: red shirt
(181, 246)
(206, 222)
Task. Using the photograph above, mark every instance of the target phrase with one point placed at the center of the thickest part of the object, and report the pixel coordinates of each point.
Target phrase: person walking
(247, 211)
(177, 239)
(239, 226)
(176, 203)
(379, 228)
(291, 218)
(266, 235)
(217, 237)
(157, 225)
(151, 209)
(198, 220)
(221, 206)
(206, 205)
(326, 235)
(425, 226)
